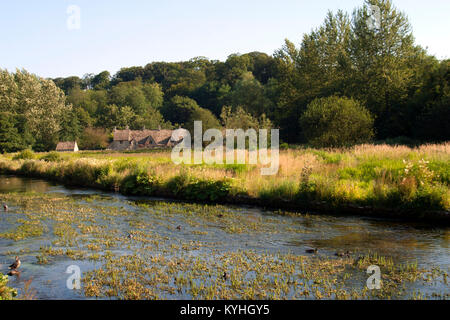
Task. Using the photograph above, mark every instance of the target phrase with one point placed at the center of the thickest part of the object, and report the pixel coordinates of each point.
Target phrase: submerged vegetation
(402, 181)
(134, 250)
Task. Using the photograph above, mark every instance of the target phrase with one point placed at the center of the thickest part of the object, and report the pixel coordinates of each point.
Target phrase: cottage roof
(122, 135)
(159, 136)
(66, 146)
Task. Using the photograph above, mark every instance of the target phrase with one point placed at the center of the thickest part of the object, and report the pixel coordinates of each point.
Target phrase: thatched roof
(65, 146)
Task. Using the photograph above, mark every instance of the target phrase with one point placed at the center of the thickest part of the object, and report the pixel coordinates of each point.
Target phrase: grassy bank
(380, 180)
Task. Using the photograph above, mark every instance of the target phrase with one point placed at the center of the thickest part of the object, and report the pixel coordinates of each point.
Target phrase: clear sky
(120, 33)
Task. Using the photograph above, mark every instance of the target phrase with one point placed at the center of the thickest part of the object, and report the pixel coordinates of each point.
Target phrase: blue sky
(115, 34)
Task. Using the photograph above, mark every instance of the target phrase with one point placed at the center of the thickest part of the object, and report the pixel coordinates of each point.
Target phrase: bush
(191, 188)
(25, 155)
(284, 146)
(6, 293)
(140, 183)
(94, 139)
(51, 157)
(336, 122)
(207, 190)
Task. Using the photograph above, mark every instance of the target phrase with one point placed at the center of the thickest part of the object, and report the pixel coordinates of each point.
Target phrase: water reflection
(16, 184)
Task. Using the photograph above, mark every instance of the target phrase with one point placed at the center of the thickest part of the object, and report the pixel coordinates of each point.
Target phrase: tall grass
(373, 176)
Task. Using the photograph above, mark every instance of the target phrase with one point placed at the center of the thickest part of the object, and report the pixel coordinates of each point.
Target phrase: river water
(227, 229)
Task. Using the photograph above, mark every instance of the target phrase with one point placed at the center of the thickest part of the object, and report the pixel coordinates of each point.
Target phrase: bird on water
(15, 265)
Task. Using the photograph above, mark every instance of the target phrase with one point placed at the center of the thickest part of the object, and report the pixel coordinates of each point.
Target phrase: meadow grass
(377, 177)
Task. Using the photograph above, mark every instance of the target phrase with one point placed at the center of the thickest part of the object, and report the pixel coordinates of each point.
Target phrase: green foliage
(285, 191)
(336, 122)
(140, 183)
(51, 157)
(185, 111)
(284, 146)
(192, 188)
(10, 139)
(240, 119)
(329, 157)
(94, 139)
(6, 293)
(26, 154)
(207, 190)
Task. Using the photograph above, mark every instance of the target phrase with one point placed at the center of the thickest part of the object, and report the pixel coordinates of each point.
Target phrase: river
(95, 225)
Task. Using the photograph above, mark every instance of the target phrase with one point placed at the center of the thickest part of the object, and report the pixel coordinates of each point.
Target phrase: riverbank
(380, 181)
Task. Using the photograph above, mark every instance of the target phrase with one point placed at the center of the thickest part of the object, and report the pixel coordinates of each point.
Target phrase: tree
(336, 122)
(38, 102)
(249, 93)
(68, 84)
(142, 98)
(126, 117)
(240, 119)
(184, 111)
(209, 121)
(109, 116)
(179, 109)
(382, 60)
(429, 102)
(101, 81)
(262, 66)
(153, 94)
(128, 74)
(432, 124)
(10, 139)
(213, 95)
(70, 127)
(94, 139)
(319, 68)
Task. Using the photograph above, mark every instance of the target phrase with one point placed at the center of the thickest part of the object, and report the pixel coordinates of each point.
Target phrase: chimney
(127, 128)
(115, 128)
(159, 127)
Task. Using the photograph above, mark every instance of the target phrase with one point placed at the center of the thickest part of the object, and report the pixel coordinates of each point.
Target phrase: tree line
(347, 82)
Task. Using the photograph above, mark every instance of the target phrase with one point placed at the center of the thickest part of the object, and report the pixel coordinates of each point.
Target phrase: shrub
(51, 157)
(198, 189)
(6, 293)
(94, 139)
(284, 146)
(25, 155)
(336, 122)
(207, 190)
(140, 183)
